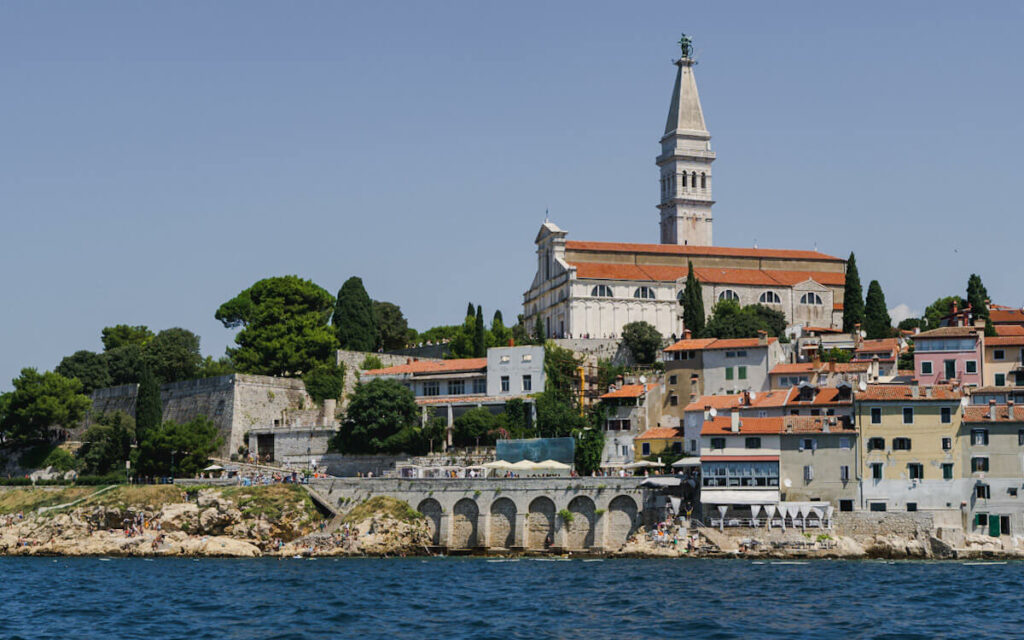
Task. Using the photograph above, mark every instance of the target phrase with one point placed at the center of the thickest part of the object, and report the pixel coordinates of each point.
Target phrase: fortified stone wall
(601, 348)
(353, 360)
(349, 466)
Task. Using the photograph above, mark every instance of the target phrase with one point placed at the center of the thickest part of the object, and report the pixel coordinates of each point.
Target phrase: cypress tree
(853, 297)
(479, 341)
(977, 296)
(470, 310)
(693, 304)
(538, 331)
(149, 412)
(353, 319)
(877, 323)
(497, 317)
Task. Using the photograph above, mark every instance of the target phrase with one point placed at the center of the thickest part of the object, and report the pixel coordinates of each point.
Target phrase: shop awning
(733, 496)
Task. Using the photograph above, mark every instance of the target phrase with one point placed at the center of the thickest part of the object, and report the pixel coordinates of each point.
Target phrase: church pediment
(547, 230)
(810, 285)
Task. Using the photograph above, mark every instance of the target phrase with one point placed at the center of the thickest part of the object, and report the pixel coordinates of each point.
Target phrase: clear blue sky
(157, 158)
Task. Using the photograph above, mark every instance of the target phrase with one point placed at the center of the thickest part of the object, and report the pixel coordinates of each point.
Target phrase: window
(972, 366)
(979, 464)
(645, 293)
(947, 444)
(844, 474)
(432, 388)
(741, 354)
(844, 443)
(908, 415)
(945, 415)
(915, 470)
(752, 443)
(846, 505)
(947, 470)
(770, 297)
(480, 385)
(673, 400)
(876, 444)
(810, 298)
(528, 383)
(999, 354)
(505, 359)
(901, 444)
(876, 415)
(982, 491)
(601, 291)
(677, 447)
(808, 473)
(926, 367)
(693, 445)
(527, 357)
(717, 443)
(808, 444)
(979, 437)
(911, 506)
(876, 506)
(980, 519)
(672, 379)
(703, 181)
(761, 413)
(876, 472)
(504, 384)
(1000, 379)
(729, 294)
(741, 373)
(456, 387)
(728, 373)
(646, 448)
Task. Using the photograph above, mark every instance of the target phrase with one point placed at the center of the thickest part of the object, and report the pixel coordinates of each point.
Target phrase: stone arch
(623, 519)
(464, 519)
(503, 523)
(580, 532)
(540, 523)
(431, 510)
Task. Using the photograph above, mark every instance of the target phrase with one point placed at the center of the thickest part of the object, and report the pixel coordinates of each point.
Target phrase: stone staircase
(724, 542)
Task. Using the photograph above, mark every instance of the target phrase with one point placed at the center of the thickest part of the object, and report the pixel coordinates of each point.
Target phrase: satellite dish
(713, 412)
(788, 483)
(863, 386)
(753, 396)
(643, 379)
(863, 333)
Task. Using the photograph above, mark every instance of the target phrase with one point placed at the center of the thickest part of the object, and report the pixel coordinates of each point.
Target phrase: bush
(371, 362)
(60, 459)
(566, 516)
(325, 381)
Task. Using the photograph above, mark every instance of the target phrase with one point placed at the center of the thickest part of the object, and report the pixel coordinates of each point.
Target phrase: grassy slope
(385, 505)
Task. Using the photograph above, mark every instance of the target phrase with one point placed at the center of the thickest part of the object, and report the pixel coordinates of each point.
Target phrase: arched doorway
(540, 523)
(503, 523)
(465, 516)
(580, 532)
(622, 521)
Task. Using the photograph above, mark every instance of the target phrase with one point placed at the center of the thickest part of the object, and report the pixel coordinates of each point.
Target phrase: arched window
(646, 293)
(810, 298)
(684, 179)
(770, 297)
(703, 181)
(693, 179)
(729, 294)
(601, 291)
(679, 297)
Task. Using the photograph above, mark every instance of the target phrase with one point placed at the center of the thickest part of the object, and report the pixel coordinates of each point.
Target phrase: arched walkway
(580, 532)
(503, 523)
(431, 509)
(622, 521)
(540, 523)
(465, 516)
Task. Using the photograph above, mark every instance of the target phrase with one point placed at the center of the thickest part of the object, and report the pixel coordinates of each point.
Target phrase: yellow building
(910, 452)
(659, 441)
(1004, 361)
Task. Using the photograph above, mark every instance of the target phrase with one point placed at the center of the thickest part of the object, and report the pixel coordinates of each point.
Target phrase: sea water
(475, 598)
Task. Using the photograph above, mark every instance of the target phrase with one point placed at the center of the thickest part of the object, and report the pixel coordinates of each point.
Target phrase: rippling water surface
(477, 598)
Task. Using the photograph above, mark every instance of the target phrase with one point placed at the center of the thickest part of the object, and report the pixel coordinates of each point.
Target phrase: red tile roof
(896, 392)
(822, 367)
(722, 425)
(661, 432)
(759, 400)
(794, 367)
(821, 330)
(979, 413)
(707, 275)
(458, 365)
(693, 250)
(1005, 341)
(816, 424)
(824, 395)
(705, 344)
(629, 391)
(1006, 314)
(948, 332)
(1009, 330)
(888, 345)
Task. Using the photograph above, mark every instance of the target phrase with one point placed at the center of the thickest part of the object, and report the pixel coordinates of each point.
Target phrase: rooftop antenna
(545, 215)
(755, 243)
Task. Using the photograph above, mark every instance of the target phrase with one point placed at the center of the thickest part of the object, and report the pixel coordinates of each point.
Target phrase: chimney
(762, 337)
(707, 412)
(1009, 410)
(856, 335)
(928, 393)
(832, 366)
(746, 397)
(735, 426)
(408, 361)
(992, 409)
(686, 334)
(511, 342)
(915, 391)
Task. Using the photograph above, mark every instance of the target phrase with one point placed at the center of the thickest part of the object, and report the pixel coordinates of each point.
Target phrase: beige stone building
(818, 461)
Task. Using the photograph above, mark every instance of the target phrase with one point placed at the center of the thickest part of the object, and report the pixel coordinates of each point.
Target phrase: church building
(591, 289)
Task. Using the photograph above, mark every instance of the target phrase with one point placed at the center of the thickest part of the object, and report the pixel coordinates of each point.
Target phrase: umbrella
(686, 462)
(498, 464)
(523, 465)
(552, 464)
(214, 467)
(641, 464)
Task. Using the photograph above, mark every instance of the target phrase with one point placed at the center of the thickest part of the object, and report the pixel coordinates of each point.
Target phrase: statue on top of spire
(686, 45)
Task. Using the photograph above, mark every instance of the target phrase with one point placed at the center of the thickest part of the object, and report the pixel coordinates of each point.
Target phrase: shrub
(371, 362)
(566, 516)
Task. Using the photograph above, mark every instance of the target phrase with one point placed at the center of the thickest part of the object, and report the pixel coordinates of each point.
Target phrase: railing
(796, 523)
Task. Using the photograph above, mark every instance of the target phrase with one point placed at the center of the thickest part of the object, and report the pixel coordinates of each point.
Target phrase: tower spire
(685, 161)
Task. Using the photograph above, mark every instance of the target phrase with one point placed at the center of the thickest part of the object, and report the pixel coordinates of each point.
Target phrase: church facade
(591, 289)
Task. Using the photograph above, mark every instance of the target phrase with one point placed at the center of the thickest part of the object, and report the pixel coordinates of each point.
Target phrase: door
(950, 369)
(993, 526)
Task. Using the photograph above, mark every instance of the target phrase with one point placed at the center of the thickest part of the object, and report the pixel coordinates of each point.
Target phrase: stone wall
(349, 466)
(870, 523)
(601, 348)
(353, 361)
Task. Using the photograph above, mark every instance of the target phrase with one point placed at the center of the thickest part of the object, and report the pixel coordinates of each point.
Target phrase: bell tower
(684, 163)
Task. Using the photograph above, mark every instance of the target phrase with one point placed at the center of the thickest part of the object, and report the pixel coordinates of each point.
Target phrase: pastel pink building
(949, 354)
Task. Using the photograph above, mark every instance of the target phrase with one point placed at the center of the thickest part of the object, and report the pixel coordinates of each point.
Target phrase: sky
(158, 158)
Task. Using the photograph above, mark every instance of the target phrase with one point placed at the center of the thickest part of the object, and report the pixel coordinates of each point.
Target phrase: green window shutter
(743, 373)
(728, 373)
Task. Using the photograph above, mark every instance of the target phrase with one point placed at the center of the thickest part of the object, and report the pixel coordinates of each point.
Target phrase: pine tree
(853, 297)
(149, 411)
(877, 323)
(353, 319)
(693, 304)
(977, 297)
(479, 335)
(538, 331)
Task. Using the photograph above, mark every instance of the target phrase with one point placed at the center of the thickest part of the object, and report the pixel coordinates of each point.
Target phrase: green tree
(500, 334)
(179, 450)
(107, 443)
(87, 367)
(608, 373)
(853, 297)
(477, 425)
(835, 355)
(354, 321)
(371, 362)
(977, 297)
(124, 363)
(470, 309)
(643, 341)
(909, 324)
(123, 334)
(940, 309)
(589, 448)
(561, 370)
(149, 410)
(5, 408)
(284, 326)
(557, 416)
(774, 320)
(210, 368)
(392, 327)
(693, 303)
(906, 359)
(520, 333)
(439, 334)
(173, 355)
(730, 320)
(377, 412)
(479, 335)
(538, 332)
(462, 344)
(517, 419)
(41, 401)
(325, 381)
(877, 323)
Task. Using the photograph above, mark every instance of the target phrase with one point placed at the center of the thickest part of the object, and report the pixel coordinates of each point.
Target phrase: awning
(686, 462)
(739, 458)
(552, 464)
(662, 482)
(732, 496)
